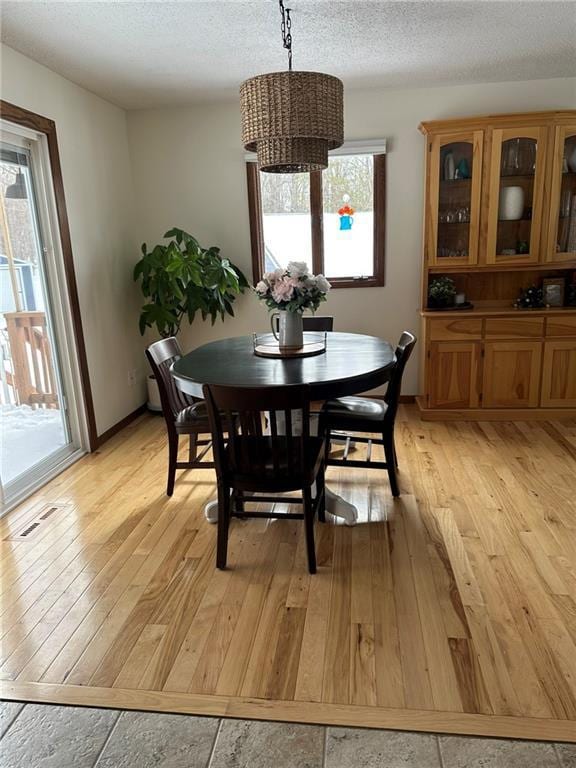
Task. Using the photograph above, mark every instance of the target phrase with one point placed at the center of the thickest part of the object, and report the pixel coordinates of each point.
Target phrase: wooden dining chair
(313, 322)
(252, 465)
(359, 414)
(184, 415)
(318, 322)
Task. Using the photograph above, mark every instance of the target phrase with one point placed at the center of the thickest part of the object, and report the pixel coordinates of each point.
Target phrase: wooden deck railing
(33, 377)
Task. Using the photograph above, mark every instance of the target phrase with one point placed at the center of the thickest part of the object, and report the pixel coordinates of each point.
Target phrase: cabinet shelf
(548, 267)
(500, 310)
(456, 182)
(518, 176)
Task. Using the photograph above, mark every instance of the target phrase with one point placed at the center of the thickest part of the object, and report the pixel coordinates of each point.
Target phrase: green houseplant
(441, 292)
(181, 278)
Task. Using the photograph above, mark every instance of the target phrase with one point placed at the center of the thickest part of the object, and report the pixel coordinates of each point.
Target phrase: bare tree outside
(351, 175)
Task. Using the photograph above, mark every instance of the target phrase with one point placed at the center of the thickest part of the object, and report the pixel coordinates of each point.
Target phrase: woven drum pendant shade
(291, 120)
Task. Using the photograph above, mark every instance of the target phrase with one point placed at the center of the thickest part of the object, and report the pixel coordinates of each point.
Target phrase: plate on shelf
(453, 308)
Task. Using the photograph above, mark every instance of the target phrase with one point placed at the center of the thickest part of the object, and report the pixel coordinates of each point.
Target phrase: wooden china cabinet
(500, 216)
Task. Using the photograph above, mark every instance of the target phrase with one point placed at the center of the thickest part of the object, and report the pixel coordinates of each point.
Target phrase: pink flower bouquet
(292, 289)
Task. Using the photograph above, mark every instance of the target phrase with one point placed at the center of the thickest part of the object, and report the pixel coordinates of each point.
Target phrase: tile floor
(46, 736)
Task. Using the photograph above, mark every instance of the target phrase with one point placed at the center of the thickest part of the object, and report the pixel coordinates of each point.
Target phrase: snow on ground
(26, 437)
(347, 253)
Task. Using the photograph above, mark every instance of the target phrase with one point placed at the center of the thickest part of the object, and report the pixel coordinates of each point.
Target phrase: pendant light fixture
(17, 190)
(291, 119)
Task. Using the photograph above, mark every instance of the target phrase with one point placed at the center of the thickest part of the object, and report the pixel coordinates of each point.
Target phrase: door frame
(23, 118)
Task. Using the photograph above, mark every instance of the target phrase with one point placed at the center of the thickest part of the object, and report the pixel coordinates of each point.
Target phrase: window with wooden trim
(334, 220)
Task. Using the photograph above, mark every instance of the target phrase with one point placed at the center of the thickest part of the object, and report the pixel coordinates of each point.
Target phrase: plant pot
(441, 303)
(153, 403)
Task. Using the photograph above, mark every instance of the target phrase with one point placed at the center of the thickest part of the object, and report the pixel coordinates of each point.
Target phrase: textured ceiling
(146, 54)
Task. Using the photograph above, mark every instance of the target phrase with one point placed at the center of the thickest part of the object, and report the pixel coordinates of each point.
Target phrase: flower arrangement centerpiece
(290, 291)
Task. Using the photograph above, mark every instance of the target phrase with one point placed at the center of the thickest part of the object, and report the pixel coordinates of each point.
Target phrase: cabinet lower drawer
(514, 327)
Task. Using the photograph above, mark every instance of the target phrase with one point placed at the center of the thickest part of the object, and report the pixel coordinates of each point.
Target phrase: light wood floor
(452, 609)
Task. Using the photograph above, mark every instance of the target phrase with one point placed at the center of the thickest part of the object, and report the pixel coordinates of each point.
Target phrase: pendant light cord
(286, 28)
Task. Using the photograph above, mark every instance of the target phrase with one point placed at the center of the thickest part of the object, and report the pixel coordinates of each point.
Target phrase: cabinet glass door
(561, 241)
(454, 190)
(516, 190)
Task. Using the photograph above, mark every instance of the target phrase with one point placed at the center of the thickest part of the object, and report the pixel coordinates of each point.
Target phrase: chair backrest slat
(273, 424)
(404, 349)
(161, 355)
(240, 411)
(288, 422)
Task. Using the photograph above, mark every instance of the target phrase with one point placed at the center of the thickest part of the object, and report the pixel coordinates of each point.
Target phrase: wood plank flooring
(451, 609)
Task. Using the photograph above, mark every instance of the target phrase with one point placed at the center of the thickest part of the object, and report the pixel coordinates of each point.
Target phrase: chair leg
(309, 526)
(223, 526)
(193, 447)
(321, 495)
(388, 440)
(172, 459)
(238, 497)
(328, 446)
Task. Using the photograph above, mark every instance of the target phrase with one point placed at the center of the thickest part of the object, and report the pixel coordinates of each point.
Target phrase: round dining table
(352, 363)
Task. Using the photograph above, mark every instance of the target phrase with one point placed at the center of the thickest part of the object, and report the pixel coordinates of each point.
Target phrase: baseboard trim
(493, 414)
(105, 436)
(317, 713)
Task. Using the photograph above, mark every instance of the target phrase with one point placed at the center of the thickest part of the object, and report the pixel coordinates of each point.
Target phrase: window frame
(317, 223)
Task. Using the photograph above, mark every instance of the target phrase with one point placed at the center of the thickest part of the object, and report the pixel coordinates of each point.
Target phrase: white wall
(189, 172)
(93, 144)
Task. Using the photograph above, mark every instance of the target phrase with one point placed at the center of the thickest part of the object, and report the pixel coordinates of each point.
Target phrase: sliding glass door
(38, 431)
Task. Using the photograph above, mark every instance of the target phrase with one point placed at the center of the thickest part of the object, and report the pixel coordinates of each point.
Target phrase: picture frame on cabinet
(553, 289)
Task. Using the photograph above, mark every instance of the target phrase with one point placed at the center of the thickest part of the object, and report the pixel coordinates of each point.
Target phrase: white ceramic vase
(511, 205)
(571, 159)
(289, 332)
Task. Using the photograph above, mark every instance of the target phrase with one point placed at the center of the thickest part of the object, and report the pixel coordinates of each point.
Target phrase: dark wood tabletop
(353, 363)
